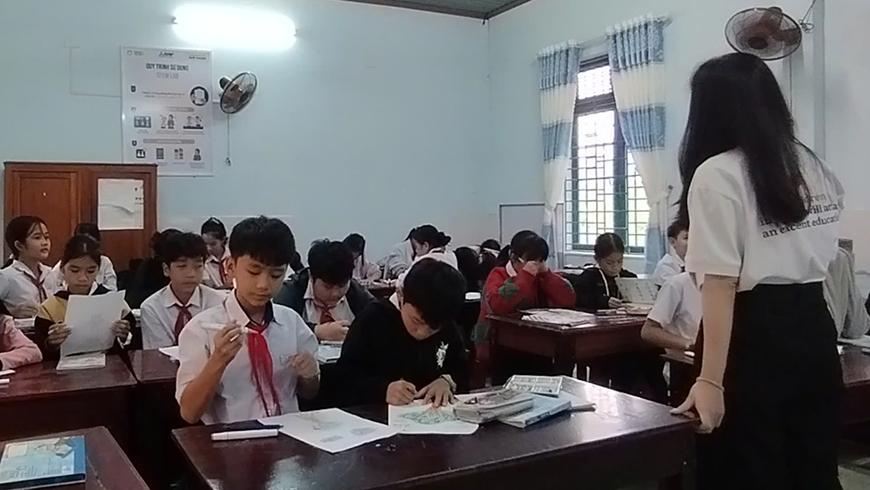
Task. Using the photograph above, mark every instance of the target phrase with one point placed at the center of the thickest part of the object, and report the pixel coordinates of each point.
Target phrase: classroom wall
(516, 37)
(847, 103)
(370, 123)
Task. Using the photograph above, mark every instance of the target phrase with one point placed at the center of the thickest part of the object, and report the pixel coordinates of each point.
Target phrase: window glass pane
(593, 82)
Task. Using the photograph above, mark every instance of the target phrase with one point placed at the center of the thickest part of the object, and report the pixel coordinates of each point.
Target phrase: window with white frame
(604, 192)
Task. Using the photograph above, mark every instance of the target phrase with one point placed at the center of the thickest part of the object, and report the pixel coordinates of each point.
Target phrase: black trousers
(783, 386)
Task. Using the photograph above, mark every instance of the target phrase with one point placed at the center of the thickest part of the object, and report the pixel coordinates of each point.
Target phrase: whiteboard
(518, 217)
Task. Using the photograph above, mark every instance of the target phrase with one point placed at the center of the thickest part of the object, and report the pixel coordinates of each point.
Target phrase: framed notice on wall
(167, 109)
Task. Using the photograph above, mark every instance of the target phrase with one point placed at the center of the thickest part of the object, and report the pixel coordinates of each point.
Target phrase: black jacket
(590, 289)
(292, 295)
(379, 350)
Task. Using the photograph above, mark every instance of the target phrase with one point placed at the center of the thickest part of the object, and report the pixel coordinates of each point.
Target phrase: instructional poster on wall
(167, 109)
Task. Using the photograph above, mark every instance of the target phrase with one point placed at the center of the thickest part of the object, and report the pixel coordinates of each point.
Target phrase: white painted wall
(370, 123)
(847, 103)
(695, 34)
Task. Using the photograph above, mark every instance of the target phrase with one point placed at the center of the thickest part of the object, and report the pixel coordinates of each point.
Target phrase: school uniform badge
(441, 354)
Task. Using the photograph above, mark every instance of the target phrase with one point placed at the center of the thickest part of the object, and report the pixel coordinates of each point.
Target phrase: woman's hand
(57, 334)
(709, 401)
(438, 393)
(121, 329)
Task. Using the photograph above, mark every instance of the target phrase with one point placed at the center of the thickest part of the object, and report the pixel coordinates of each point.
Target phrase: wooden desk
(626, 440)
(856, 379)
(156, 415)
(107, 465)
(380, 290)
(568, 346)
(41, 400)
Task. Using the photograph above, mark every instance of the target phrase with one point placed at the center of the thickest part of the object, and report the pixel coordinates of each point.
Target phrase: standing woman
(764, 213)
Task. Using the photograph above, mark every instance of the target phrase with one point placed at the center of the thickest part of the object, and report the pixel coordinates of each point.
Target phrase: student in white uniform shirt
(214, 233)
(26, 282)
(166, 312)
(399, 259)
(676, 315)
(248, 358)
(674, 262)
(325, 295)
(106, 275)
(764, 213)
(363, 270)
(429, 241)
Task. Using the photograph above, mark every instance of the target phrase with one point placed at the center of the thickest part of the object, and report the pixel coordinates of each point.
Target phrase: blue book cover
(43, 463)
(544, 407)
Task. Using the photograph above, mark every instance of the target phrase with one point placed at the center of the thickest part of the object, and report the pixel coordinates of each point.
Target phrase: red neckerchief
(261, 362)
(181, 320)
(39, 285)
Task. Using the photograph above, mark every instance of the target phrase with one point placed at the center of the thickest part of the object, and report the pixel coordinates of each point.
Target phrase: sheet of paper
(328, 353)
(120, 204)
(82, 361)
(172, 352)
(639, 291)
(557, 316)
(330, 430)
(861, 342)
(90, 320)
(541, 385)
(420, 418)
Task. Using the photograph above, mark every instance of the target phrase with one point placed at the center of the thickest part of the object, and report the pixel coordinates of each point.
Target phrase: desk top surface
(43, 380)
(108, 466)
(284, 462)
(614, 322)
(151, 366)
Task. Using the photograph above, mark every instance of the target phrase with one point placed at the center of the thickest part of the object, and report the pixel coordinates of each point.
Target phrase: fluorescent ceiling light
(240, 28)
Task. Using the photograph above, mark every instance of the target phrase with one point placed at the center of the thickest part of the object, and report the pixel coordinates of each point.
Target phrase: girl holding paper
(79, 267)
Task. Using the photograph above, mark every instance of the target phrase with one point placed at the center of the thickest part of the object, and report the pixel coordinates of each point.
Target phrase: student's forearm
(653, 333)
(717, 299)
(308, 387)
(199, 392)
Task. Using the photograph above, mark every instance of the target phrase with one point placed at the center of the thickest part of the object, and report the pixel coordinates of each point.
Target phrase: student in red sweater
(520, 280)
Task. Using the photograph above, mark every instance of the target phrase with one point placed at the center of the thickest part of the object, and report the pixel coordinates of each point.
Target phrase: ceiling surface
(478, 9)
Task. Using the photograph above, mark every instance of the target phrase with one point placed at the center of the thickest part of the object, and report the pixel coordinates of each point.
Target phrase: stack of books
(526, 400)
(43, 463)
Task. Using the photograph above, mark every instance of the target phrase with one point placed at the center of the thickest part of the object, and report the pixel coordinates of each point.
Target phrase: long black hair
(737, 104)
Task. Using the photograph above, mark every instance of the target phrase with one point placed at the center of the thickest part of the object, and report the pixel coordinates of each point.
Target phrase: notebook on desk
(637, 291)
(43, 463)
(558, 316)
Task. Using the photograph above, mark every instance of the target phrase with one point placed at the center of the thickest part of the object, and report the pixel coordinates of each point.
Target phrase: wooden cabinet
(65, 194)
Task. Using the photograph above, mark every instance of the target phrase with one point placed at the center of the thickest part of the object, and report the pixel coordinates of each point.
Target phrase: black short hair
(90, 229)
(429, 234)
(528, 245)
(18, 229)
(491, 244)
(81, 246)
(159, 238)
(179, 246)
(214, 226)
(437, 290)
(608, 243)
(331, 262)
(296, 262)
(678, 226)
(468, 262)
(267, 240)
(356, 242)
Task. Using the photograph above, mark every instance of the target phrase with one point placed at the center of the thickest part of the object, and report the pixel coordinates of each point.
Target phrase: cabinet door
(53, 196)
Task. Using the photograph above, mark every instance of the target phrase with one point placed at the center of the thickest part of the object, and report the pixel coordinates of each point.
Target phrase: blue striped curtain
(559, 66)
(637, 63)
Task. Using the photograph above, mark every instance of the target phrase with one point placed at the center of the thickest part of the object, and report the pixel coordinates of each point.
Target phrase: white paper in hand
(90, 320)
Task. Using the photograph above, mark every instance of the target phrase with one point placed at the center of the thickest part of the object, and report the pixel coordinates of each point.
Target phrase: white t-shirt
(341, 311)
(678, 307)
(20, 290)
(159, 313)
(728, 238)
(211, 273)
(669, 266)
(236, 397)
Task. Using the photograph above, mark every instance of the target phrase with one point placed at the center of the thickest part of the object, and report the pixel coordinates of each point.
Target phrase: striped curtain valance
(559, 64)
